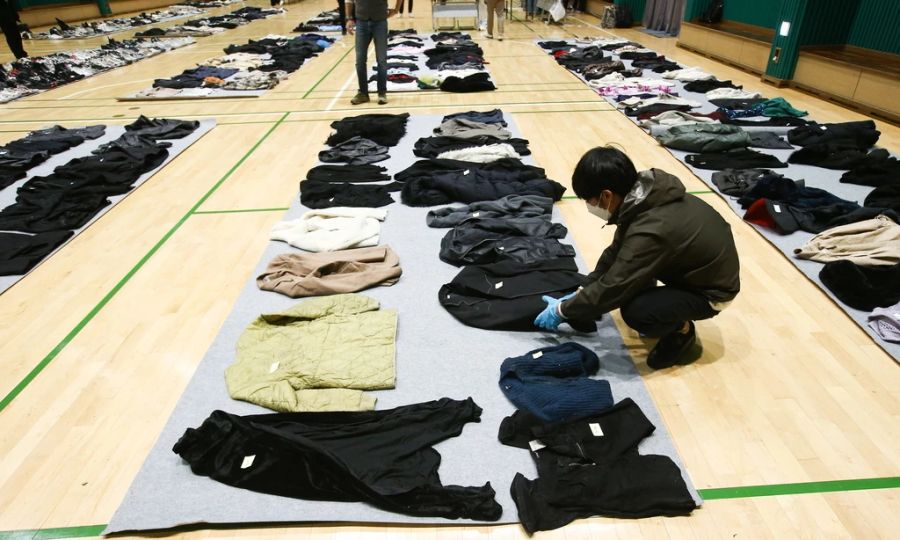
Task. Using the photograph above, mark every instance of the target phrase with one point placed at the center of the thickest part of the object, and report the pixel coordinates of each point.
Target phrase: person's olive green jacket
(662, 234)
(316, 356)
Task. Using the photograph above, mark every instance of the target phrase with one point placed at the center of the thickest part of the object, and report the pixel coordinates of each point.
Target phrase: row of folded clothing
(209, 4)
(89, 29)
(209, 25)
(449, 61)
(314, 362)
(584, 445)
(32, 75)
(257, 65)
(856, 239)
(326, 21)
(470, 158)
(504, 238)
(47, 209)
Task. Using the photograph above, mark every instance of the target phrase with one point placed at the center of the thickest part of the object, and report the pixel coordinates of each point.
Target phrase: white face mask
(602, 213)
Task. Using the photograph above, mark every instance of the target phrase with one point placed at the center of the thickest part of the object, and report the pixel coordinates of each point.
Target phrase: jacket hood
(653, 188)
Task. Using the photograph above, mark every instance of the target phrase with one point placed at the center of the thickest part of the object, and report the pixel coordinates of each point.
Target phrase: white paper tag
(501, 248)
(331, 199)
(536, 445)
(248, 460)
(274, 366)
(498, 284)
(595, 429)
(476, 214)
(537, 355)
(465, 172)
(777, 208)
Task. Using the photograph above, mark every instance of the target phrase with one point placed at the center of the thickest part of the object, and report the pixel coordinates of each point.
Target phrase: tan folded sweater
(873, 242)
(334, 272)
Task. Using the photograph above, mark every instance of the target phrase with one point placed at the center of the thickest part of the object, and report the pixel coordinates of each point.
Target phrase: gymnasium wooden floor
(788, 424)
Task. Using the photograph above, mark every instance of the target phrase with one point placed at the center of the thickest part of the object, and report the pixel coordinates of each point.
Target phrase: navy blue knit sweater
(554, 383)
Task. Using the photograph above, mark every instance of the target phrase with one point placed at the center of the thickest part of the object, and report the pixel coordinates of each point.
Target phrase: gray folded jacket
(509, 206)
(318, 274)
(705, 137)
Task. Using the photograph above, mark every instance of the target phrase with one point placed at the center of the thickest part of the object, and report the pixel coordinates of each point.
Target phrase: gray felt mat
(817, 177)
(436, 357)
(8, 195)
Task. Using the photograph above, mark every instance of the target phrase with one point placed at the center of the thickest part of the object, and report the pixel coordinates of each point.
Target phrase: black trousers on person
(11, 29)
(658, 311)
(342, 15)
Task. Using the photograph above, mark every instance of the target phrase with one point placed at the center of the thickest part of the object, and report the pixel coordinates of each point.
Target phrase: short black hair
(603, 168)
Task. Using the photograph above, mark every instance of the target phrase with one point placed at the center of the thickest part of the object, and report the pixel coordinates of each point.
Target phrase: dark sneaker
(382, 99)
(360, 98)
(675, 349)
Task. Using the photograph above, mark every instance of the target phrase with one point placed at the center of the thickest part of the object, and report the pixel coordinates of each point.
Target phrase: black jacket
(662, 234)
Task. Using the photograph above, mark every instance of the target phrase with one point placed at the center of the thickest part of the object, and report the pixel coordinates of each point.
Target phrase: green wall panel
(828, 22)
(877, 26)
(637, 8)
(694, 8)
(758, 12)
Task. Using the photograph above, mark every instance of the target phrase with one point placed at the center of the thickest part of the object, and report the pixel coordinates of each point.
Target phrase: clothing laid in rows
(873, 242)
(316, 194)
(75, 192)
(507, 295)
(19, 252)
(862, 287)
(331, 229)
(485, 241)
(885, 322)
(383, 458)
(592, 467)
(382, 129)
(20, 155)
(439, 181)
(35, 74)
(318, 355)
(512, 206)
(318, 274)
(89, 29)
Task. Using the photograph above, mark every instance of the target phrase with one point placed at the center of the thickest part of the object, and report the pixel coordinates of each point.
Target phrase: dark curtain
(664, 15)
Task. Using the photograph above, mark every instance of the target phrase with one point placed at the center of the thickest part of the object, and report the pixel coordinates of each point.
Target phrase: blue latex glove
(550, 319)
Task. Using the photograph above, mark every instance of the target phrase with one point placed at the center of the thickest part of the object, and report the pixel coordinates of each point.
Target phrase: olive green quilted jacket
(316, 356)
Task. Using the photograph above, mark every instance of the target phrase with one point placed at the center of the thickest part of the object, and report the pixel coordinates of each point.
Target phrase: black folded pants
(384, 458)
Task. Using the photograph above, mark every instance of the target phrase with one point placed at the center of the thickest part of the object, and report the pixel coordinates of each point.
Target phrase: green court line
(374, 107)
(241, 211)
(58, 532)
(118, 286)
(802, 488)
(711, 494)
(327, 73)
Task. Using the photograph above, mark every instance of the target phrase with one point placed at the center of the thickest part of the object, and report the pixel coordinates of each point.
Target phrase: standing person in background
(10, 27)
(369, 23)
(342, 16)
(402, 2)
(497, 7)
(530, 9)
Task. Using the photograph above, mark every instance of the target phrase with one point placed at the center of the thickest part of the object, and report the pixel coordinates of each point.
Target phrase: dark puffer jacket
(663, 234)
